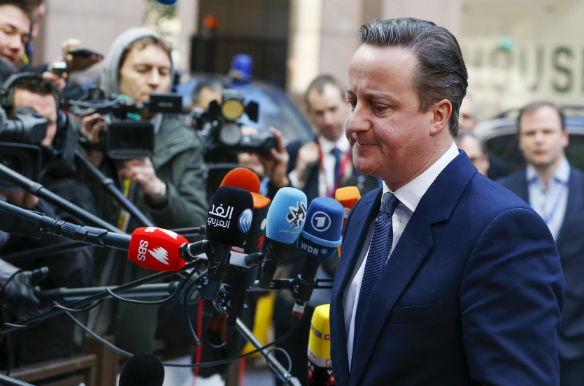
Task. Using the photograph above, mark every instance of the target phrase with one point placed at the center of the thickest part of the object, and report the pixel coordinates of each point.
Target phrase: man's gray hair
(441, 71)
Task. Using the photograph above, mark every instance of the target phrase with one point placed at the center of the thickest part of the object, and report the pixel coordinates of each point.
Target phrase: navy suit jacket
(570, 243)
(471, 294)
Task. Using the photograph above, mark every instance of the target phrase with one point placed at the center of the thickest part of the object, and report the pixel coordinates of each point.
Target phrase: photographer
(170, 185)
(170, 193)
(53, 337)
(272, 169)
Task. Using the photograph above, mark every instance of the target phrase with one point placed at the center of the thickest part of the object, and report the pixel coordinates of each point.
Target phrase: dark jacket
(54, 337)
(570, 246)
(471, 294)
(178, 161)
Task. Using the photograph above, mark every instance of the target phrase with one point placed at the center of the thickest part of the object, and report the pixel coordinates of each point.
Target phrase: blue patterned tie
(378, 254)
(337, 153)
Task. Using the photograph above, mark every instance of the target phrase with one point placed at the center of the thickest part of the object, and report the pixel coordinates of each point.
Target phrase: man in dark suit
(449, 279)
(320, 167)
(554, 189)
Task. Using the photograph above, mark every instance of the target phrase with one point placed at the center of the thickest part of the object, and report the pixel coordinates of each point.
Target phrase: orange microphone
(246, 179)
(348, 197)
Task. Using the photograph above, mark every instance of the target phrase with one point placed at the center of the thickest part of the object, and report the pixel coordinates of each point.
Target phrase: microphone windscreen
(286, 215)
(322, 231)
(319, 347)
(230, 216)
(242, 178)
(157, 249)
(348, 197)
(246, 179)
(142, 370)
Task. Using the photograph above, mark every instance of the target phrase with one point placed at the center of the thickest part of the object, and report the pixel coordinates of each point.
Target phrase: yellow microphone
(320, 370)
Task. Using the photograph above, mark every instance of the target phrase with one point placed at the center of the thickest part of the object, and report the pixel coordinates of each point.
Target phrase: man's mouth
(8, 58)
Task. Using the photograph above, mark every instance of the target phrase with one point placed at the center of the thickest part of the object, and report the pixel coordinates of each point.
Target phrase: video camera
(222, 133)
(126, 136)
(19, 143)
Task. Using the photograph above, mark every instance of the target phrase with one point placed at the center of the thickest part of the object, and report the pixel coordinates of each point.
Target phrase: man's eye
(352, 104)
(379, 108)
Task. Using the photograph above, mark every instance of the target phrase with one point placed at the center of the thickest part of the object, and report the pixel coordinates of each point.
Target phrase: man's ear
(441, 113)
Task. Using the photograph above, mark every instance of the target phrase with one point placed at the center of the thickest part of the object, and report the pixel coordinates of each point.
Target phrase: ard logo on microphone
(320, 221)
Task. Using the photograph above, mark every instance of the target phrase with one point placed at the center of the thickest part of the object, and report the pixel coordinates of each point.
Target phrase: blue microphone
(284, 222)
(318, 241)
(166, 2)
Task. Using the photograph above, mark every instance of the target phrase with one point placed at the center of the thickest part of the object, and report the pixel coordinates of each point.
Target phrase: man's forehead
(374, 68)
(149, 55)
(23, 97)
(543, 117)
(14, 16)
(330, 96)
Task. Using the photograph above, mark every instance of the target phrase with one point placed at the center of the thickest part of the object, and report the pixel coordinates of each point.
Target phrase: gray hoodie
(111, 68)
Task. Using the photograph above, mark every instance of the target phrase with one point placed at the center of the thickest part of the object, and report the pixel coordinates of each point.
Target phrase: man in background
(467, 120)
(54, 337)
(555, 190)
(474, 149)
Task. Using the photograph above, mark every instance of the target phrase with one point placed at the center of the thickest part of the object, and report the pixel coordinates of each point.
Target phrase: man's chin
(364, 166)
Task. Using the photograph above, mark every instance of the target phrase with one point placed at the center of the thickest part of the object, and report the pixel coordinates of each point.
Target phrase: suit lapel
(414, 245)
(574, 202)
(366, 211)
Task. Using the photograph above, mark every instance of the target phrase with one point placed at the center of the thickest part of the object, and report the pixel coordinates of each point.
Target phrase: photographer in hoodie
(54, 337)
(169, 188)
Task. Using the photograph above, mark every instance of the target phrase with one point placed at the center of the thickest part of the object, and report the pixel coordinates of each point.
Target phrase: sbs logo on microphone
(245, 220)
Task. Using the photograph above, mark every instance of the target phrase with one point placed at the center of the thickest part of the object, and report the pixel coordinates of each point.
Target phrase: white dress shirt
(409, 196)
(550, 203)
(326, 180)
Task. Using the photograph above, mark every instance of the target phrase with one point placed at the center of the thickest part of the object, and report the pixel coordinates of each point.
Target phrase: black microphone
(318, 241)
(228, 223)
(142, 369)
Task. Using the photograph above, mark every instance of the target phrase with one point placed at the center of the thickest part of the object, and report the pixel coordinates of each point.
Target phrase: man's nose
(357, 120)
(15, 43)
(154, 79)
(329, 118)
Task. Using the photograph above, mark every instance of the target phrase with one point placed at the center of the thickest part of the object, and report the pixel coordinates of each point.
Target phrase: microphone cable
(194, 365)
(155, 302)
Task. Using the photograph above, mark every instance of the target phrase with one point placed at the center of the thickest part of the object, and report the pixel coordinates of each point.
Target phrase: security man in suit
(554, 189)
(321, 166)
(446, 277)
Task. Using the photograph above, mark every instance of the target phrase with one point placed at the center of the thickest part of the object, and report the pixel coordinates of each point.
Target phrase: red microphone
(156, 249)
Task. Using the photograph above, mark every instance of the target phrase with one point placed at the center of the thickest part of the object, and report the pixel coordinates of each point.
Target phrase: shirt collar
(562, 173)
(411, 193)
(326, 146)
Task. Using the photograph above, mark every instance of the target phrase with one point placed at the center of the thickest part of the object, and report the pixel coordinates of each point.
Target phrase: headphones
(62, 119)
